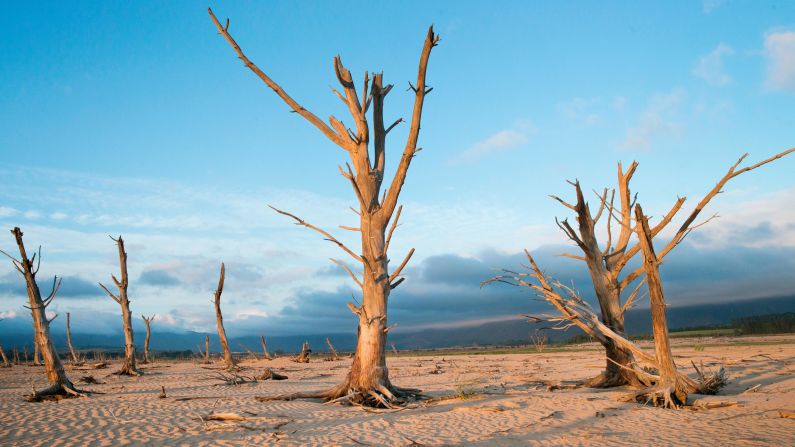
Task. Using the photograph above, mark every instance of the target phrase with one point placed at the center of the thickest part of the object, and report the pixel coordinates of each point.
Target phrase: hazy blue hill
(496, 333)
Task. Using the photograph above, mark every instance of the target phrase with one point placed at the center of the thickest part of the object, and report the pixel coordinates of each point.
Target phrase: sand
(494, 400)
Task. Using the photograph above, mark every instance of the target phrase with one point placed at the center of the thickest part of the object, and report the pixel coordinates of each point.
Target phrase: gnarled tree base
(381, 396)
(128, 370)
(57, 391)
(672, 392)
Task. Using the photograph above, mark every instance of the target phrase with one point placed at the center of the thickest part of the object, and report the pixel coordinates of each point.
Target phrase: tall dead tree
(368, 380)
(60, 385)
(666, 387)
(607, 260)
(206, 349)
(229, 361)
(129, 367)
(147, 322)
(75, 360)
(265, 352)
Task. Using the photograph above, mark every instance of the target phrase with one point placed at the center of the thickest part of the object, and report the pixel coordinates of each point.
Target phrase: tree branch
(297, 108)
(329, 237)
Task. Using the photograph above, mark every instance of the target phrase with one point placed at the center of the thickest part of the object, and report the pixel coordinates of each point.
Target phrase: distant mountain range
(508, 332)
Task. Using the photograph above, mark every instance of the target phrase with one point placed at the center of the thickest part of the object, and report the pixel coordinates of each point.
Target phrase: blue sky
(138, 120)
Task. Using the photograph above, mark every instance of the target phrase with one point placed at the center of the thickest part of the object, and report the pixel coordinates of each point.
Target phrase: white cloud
(504, 140)
(711, 5)
(8, 211)
(32, 214)
(58, 216)
(7, 314)
(780, 55)
(710, 66)
(580, 110)
(250, 313)
(661, 118)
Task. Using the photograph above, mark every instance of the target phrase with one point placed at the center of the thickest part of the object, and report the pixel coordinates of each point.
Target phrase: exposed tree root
(57, 391)
(381, 396)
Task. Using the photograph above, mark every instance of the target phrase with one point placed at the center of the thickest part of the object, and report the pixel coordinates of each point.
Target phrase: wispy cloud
(710, 5)
(780, 54)
(661, 118)
(504, 140)
(710, 66)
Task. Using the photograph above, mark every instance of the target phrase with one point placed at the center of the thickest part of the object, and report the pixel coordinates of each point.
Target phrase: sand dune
(481, 400)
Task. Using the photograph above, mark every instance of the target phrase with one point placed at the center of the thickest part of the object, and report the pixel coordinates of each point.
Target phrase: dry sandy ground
(512, 405)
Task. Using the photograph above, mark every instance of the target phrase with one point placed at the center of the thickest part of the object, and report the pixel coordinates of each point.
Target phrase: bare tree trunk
(60, 385)
(368, 380)
(75, 360)
(36, 355)
(229, 361)
(148, 322)
(206, 349)
(3, 355)
(333, 351)
(265, 348)
(394, 350)
(128, 368)
(672, 388)
(25, 354)
(16, 356)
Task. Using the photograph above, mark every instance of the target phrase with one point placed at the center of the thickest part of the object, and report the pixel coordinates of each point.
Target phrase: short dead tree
(6, 364)
(129, 367)
(539, 339)
(147, 322)
(270, 374)
(662, 384)
(206, 349)
(229, 361)
(367, 382)
(334, 356)
(607, 260)
(303, 356)
(75, 360)
(36, 354)
(60, 385)
(265, 352)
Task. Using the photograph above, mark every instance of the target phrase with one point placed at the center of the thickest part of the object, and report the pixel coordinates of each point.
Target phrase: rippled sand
(507, 403)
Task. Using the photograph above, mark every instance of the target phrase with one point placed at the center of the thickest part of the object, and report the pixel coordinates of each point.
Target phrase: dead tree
(333, 351)
(606, 261)
(147, 322)
(265, 352)
(229, 361)
(36, 355)
(16, 355)
(303, 356)
(128, 368)
(206, 349)
(368, 380)
(663, 385)
(60, 385)
(75, 360)
(3, 356)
